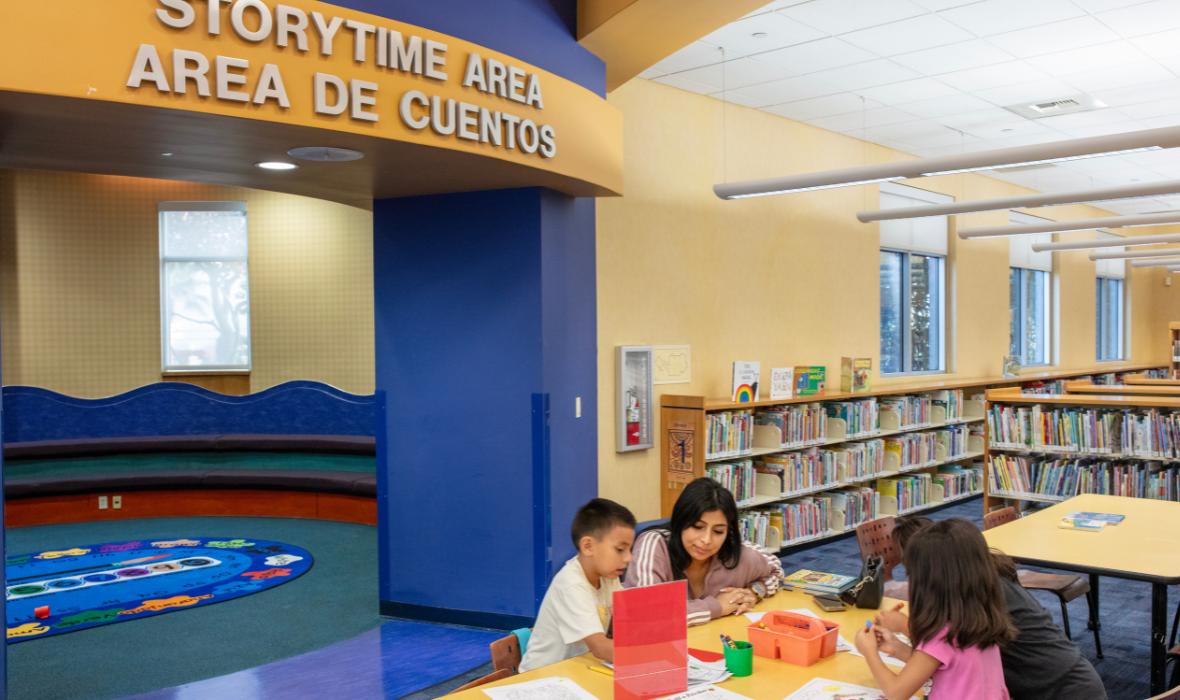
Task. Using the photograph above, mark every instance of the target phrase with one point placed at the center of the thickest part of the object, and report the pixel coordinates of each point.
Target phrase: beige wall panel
(789, 280)
(79, 283)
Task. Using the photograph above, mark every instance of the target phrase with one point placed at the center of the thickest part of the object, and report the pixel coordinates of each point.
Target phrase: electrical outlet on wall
(102, 502)
(116, 501)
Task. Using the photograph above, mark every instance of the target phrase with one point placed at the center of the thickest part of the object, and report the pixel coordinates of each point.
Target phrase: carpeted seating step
(102, 447)
(350, 483)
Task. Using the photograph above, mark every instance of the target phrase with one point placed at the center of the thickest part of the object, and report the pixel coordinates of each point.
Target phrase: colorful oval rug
(62, 591)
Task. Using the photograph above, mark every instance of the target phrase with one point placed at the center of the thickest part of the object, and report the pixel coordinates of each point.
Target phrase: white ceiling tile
(787, 112)
(816, 56)
(651, 73)
(839, 16)
(789, 90)
(1103, 5)
(1160, 44)
(734, 74)
(909, 130)
(875, 117)
(943, 106)
(943, 139)
(914, 34)
(1120, 77)
(955, 57)
(863, 75)
(779, 32)
(989, 115)
(998, 16)
(694, 55)
(828, 123)
(1161, 122)
(1036, 91)
(973, 147)
(685, 84)
(1148, 110)
(973, 80)
(1146, 18)
(1165, 157)
(778, 5)
(1006, 129)
(909, 91)
(1136, 94)
(1172, 63)
(1081, 119)
(832, 105)
(739, 99)
(1058, 36)
(938, 5)
(1108, 55)
(1032, 139)
(1086, 132)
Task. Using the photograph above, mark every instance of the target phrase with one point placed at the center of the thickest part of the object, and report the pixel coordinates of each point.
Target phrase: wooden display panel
(682, 446)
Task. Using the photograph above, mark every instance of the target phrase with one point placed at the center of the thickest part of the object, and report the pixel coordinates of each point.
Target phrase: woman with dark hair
(702, 545)
(1041, 663)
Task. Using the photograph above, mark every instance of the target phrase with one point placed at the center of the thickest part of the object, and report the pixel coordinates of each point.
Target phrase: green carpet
(334, 601)
(45, 468)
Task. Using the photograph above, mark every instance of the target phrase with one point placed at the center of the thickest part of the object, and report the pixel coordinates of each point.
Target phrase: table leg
(1159, 636)
(1094, 621)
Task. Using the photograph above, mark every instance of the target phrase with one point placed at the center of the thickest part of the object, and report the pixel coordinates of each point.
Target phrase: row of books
(1066, 478)
(914, 409)
(958, 482)
(736, 476)
(799, 424)
(728, 434)
(1151, 433)
(863, 417)
(795, 520)
(951, 402)
(911, 490)
(806, 469)
(912, 449)
(1065, 428)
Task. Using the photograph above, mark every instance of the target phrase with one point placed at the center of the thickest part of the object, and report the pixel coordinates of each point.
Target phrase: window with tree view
(1109, 319)
(1028, 315)
(912, 305)
(204, 286)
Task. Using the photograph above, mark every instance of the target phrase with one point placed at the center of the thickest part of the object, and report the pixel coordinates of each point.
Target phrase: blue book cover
(1108, 518)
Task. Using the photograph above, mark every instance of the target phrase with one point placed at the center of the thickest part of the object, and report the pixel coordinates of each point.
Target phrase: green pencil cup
(740, 661)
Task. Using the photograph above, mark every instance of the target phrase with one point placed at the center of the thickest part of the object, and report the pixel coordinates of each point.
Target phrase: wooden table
(1144, 547)
(771, 680)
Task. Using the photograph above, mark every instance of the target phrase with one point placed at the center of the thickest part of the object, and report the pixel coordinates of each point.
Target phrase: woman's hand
(894, 620)
(866, 641)
(735, 601)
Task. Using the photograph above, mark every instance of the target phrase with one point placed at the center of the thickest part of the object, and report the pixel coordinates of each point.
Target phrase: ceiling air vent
(1052, 108)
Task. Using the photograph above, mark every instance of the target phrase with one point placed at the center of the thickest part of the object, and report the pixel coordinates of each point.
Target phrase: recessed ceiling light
(165, 154)
(325, 154)
(759, 35)
(276, 166)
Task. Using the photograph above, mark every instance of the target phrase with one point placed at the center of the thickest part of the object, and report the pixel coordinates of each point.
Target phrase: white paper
(706, 672)
(707, 692)
(541, 689)
(824, 689)
(891, 660)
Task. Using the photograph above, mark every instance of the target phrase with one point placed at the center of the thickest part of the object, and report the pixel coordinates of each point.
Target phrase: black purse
(871, 589)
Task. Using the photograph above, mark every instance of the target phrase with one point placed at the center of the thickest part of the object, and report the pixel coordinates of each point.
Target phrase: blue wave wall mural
(173, 408)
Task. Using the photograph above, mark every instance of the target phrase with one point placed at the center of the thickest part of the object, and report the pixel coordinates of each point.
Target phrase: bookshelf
(1174, 336)
(686, 454)
(1050, 447)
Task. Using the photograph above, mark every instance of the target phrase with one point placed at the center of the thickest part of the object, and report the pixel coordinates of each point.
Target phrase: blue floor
(1125, 610)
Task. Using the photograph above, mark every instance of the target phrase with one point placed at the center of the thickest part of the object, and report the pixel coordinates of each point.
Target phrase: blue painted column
(485, 337)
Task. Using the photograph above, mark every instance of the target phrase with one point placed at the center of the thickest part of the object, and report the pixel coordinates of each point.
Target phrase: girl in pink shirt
(958, 620)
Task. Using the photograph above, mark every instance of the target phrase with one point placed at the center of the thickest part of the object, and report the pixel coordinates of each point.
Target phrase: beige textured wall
(80, 290)
(788, 280)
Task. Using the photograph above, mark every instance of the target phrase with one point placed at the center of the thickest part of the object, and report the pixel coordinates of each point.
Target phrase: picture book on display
(856, 374)
(745, 381)
(818, 582)
(1108, 518)
(1068, 523)
(809, 381)
(782, 383)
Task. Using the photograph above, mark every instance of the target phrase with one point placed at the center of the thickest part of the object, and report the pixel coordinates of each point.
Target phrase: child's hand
(866, 641)
(888, 643)
(894, 620)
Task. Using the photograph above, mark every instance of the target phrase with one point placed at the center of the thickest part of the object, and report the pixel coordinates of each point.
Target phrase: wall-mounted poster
(673, 364)
(633, 393)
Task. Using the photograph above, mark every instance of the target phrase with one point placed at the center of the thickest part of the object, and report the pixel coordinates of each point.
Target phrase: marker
(602, 669)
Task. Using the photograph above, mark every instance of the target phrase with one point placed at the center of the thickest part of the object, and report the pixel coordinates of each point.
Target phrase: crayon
(602, 669)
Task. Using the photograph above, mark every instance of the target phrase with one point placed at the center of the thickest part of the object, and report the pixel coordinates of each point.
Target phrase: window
(1029, 277)
(1109, 305)
(204, 286)
(913, 285)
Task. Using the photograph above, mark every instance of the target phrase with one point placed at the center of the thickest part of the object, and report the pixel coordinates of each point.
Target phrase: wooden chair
(1174, 659)
(1065, 587)
(875, 538)
(505, 659)
(1173, 694)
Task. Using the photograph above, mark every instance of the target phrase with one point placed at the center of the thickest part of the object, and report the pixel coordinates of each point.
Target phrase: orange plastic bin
(794, 638)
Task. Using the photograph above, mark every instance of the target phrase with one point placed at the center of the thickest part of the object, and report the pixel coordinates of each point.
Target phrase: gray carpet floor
(334, 601)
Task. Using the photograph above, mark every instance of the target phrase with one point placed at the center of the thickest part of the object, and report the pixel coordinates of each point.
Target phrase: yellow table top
(1145, 545)
(771, 680)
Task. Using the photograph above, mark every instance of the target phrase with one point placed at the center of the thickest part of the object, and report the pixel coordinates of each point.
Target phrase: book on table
(818, 582)
(1082, 525)
(1108, 518)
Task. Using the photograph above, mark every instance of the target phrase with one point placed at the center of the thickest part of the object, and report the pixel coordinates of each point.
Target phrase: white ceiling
(929, 77)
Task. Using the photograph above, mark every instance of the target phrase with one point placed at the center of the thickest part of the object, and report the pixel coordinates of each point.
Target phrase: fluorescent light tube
(1172, 217)
(1107, 243)
(1041, 162)
(817, 187)
(1130, 254)
(1155, 263)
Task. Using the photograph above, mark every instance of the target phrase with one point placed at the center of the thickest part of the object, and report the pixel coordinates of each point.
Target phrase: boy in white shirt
(576, 612)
